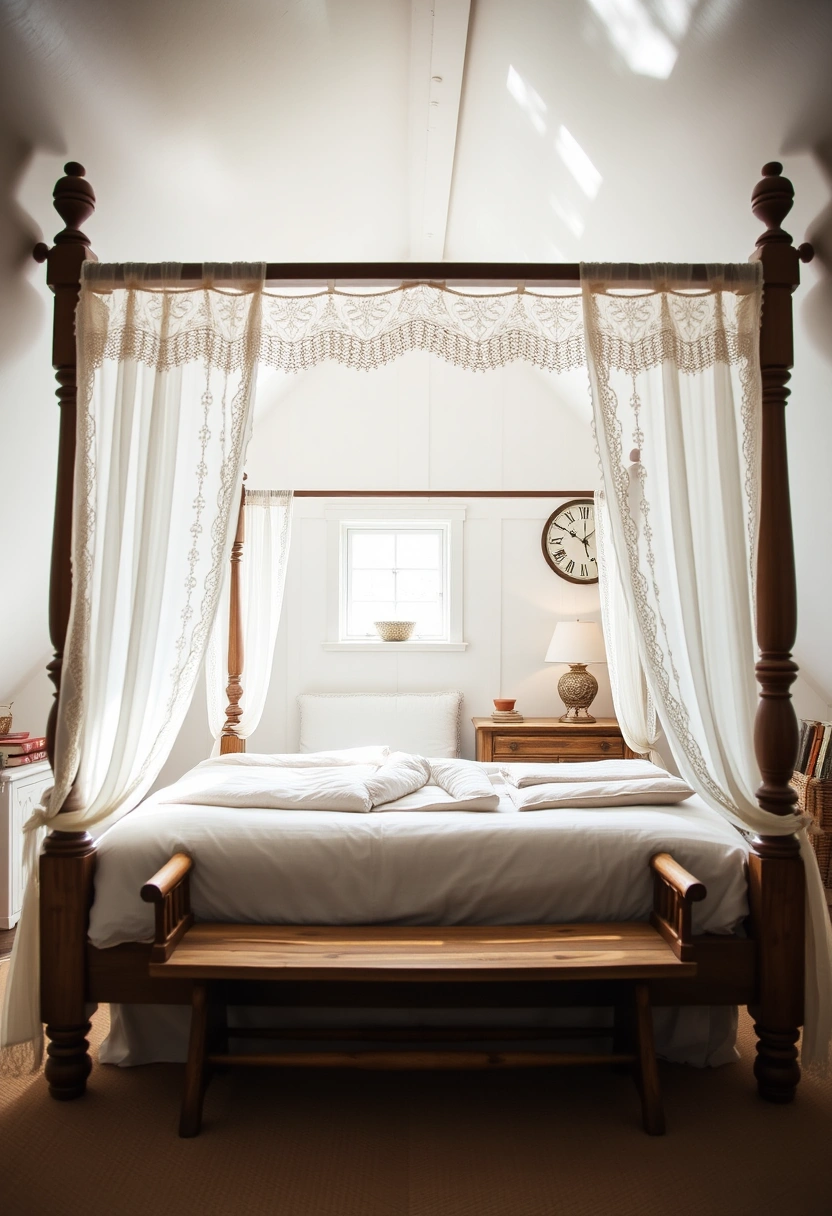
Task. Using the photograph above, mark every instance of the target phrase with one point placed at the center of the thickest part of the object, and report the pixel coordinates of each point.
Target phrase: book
(22, 747)
(803, 746)
(824, 765)
(17, 761)
(824, 747)
(814, 748)
(14, 738)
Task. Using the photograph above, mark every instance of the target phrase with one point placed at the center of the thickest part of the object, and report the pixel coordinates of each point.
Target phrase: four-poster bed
(764, 970)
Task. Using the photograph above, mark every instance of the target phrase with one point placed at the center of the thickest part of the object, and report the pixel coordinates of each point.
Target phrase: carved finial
(74, 202)
(771, 202)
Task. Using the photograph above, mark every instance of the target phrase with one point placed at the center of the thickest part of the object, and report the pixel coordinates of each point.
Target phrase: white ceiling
(390, 129)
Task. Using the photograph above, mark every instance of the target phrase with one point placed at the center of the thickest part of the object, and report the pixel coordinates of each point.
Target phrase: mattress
(414, 867)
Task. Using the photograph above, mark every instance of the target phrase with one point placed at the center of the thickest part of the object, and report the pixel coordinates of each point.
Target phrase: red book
(817, 739)
(22, 747)
(15, 738)
(16, 761)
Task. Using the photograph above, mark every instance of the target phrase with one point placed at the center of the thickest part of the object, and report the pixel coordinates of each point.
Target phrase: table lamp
(577, 643)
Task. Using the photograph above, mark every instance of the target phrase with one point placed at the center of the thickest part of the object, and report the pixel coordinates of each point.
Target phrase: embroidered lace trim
(633, 333)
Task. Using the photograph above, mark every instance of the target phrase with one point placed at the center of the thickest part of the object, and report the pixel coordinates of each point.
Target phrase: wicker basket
(814, 797)
(394, 631)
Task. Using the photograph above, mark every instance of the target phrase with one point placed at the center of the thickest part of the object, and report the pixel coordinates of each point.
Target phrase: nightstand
(550, 741)
(20, 791)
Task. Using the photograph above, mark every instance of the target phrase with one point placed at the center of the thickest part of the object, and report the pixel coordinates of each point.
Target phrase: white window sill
(379, 646)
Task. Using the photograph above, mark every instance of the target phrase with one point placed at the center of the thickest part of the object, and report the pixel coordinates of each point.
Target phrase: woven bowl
(394, 631)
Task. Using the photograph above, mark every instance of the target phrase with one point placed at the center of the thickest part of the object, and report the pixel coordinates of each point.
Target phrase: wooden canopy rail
(442, 493)
(337, 275)
(771, 982)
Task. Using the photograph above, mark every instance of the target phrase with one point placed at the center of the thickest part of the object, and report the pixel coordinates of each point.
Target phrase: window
(394, 563)
(395, 571)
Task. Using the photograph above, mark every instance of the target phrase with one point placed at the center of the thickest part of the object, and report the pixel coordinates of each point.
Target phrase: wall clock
(569, 541)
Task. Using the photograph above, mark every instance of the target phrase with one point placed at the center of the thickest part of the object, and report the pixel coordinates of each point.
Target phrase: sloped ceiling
(388, 129)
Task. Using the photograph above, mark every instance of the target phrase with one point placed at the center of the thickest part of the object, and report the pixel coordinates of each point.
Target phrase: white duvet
(410, 864)
(357, 780)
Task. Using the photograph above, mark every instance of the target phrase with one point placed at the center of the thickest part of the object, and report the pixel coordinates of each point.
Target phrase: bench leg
(191, 1117)
(652, 1113)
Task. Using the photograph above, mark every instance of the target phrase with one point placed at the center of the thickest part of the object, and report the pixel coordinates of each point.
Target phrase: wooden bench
(628, 955)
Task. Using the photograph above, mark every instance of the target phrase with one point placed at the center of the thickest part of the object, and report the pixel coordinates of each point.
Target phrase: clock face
(569, 541)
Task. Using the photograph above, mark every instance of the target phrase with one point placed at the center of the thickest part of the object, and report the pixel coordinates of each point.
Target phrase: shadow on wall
(811, 132)
(26, 126)
(817, 307)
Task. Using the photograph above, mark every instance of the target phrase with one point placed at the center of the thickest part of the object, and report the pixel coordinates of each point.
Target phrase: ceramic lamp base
(577, 689)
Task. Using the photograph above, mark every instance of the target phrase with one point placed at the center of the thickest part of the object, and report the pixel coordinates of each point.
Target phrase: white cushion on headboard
(426, 723)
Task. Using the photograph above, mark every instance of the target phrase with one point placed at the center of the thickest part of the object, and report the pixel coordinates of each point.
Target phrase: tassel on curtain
(165, 387)
(268, 523)
(676, 375)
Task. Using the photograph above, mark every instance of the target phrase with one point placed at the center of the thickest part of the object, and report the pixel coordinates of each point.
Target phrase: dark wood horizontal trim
(443, 493)
(411, 1061)
(320, 275)
(422, 1034)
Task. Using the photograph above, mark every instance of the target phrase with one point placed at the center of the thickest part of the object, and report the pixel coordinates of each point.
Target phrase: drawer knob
(605, 747)
(512, 747)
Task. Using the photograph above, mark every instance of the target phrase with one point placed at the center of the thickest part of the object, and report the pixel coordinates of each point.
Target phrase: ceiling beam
(438, 38)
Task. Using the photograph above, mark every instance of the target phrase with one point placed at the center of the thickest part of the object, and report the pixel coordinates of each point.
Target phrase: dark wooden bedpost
(776, 876)
(68, 860)
(230, 741)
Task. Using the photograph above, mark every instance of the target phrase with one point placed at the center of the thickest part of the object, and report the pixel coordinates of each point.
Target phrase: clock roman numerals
(569, 541)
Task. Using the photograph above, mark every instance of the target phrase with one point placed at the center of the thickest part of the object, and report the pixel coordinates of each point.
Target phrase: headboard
(427, 723)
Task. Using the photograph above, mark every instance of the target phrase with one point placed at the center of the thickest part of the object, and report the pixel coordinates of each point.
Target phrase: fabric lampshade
(576, 642)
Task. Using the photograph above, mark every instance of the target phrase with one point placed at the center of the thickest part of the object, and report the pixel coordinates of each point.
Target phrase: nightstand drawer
(557, 749)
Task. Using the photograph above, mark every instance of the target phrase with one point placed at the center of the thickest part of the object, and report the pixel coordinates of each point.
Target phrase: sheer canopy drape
(675, 374)
(634, 708)
(161, 437)
(268, 525)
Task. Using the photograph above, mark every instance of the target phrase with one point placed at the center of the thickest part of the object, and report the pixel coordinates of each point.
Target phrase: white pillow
(599, 793)
(465, 782)
(522, 775)
(424, 723)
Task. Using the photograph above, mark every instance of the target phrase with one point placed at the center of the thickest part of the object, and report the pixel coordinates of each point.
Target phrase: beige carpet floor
(548, 1143)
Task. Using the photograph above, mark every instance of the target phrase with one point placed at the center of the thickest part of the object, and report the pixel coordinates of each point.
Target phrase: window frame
(340, 520)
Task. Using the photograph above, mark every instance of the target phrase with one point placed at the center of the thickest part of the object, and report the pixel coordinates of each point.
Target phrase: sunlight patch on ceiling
(569, 215)
(646, 33)
(530, 102)
(578, 163)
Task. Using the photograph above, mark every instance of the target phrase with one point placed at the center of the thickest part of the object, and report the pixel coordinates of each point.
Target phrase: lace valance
(474, 330)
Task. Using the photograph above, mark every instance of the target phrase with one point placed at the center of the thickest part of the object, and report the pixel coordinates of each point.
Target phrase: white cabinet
(20, 791)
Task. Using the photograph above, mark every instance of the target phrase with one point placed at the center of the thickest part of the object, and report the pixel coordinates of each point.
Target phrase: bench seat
(627, 954)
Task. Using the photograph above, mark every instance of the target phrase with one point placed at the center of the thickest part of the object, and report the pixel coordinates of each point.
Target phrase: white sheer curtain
(268, 524)
(163, 423)
(634, 707)
(675, 374)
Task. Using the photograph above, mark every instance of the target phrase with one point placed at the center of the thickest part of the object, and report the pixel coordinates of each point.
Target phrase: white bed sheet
(416, 867)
